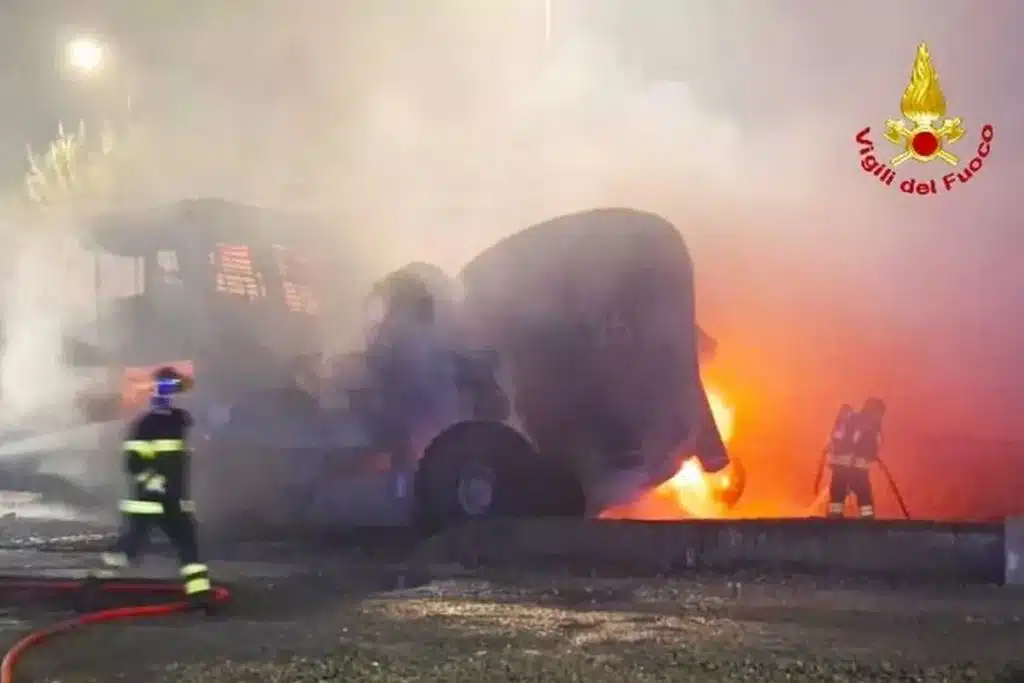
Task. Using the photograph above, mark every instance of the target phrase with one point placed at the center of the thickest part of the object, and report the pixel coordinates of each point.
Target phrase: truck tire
(479, 469)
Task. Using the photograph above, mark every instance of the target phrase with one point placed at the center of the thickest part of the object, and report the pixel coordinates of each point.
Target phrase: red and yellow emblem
(924, 106)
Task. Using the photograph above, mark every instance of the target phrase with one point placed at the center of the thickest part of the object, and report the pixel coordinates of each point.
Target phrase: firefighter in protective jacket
(853, 450)
(156, 462)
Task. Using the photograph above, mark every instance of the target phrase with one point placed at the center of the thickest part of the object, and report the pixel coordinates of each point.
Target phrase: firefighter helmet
(168, 381)
(874, 406)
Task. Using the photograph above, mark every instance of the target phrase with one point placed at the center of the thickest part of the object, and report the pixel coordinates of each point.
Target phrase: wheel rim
(476, 490)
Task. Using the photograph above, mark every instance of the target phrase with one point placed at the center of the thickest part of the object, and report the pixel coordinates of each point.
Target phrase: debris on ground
(543, 627)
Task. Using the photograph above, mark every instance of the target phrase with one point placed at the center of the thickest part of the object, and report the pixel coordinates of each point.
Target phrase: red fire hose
(120, 586)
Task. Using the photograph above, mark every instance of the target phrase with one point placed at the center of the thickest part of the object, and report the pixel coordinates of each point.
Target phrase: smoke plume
(427, 131)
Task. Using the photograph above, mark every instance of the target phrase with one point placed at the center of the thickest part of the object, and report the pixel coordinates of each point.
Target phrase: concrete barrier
(898, 550)
(1014, 550)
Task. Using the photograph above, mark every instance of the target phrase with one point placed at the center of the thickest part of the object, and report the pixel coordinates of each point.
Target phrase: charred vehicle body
(558, 372)
(593, 317)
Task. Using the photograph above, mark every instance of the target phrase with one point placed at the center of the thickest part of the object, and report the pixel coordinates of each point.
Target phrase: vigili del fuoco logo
(924, 134)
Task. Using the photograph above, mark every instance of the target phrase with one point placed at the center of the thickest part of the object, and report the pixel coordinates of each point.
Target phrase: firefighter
(854, 449)
(156, 461)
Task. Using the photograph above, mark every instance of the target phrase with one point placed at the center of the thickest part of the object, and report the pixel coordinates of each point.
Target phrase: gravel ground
(344, 626)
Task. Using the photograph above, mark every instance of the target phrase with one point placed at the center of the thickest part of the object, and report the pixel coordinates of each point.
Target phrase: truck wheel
(480, 469)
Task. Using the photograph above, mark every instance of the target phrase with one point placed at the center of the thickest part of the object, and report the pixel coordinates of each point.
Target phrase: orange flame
(723, 414)
(689, 493)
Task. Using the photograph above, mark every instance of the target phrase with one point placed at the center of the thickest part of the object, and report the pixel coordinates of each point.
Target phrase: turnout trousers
(140, 517)
(177, 522)
(158, 471)
(850, 480)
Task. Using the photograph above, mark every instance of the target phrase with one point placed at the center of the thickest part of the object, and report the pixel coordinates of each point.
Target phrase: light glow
(85, 55)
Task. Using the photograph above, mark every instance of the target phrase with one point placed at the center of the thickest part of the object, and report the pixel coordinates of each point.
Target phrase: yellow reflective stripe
(840, 460)
(150, 449)
(193, 586)
(192, 569)
(149, 507)
(156, 483)
(141, 507)
(143, 448)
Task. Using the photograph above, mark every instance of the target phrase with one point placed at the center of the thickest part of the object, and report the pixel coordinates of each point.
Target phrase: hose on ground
(120, 586)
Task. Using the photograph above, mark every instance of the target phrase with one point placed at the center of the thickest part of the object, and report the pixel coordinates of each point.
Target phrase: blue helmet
(167, 382)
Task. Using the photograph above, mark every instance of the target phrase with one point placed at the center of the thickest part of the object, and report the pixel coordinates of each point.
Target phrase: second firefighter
(853, 449)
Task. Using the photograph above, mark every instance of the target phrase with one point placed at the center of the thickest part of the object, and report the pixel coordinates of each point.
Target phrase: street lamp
(85, 55)
(90, 58)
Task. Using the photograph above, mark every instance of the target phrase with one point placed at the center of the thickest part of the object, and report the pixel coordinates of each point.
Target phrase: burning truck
(556, 374)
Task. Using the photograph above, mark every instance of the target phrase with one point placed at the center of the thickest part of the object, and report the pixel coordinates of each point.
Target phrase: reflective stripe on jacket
(151, 449)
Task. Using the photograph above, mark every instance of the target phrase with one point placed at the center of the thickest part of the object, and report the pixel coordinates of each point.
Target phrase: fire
(690, 492)
(722, 413)
(691, 488)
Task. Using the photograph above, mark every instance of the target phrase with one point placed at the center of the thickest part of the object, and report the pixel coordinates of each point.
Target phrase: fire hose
(88, 589)
(892, 484)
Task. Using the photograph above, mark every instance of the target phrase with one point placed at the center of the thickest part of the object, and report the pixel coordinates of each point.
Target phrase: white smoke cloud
(431, 130)
(45, 295)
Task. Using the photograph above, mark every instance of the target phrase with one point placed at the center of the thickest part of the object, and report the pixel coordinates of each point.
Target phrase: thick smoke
(430, 130)
(46, 300)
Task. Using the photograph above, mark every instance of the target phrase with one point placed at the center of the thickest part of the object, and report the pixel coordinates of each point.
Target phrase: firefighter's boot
(198, 589)
(203, 603)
